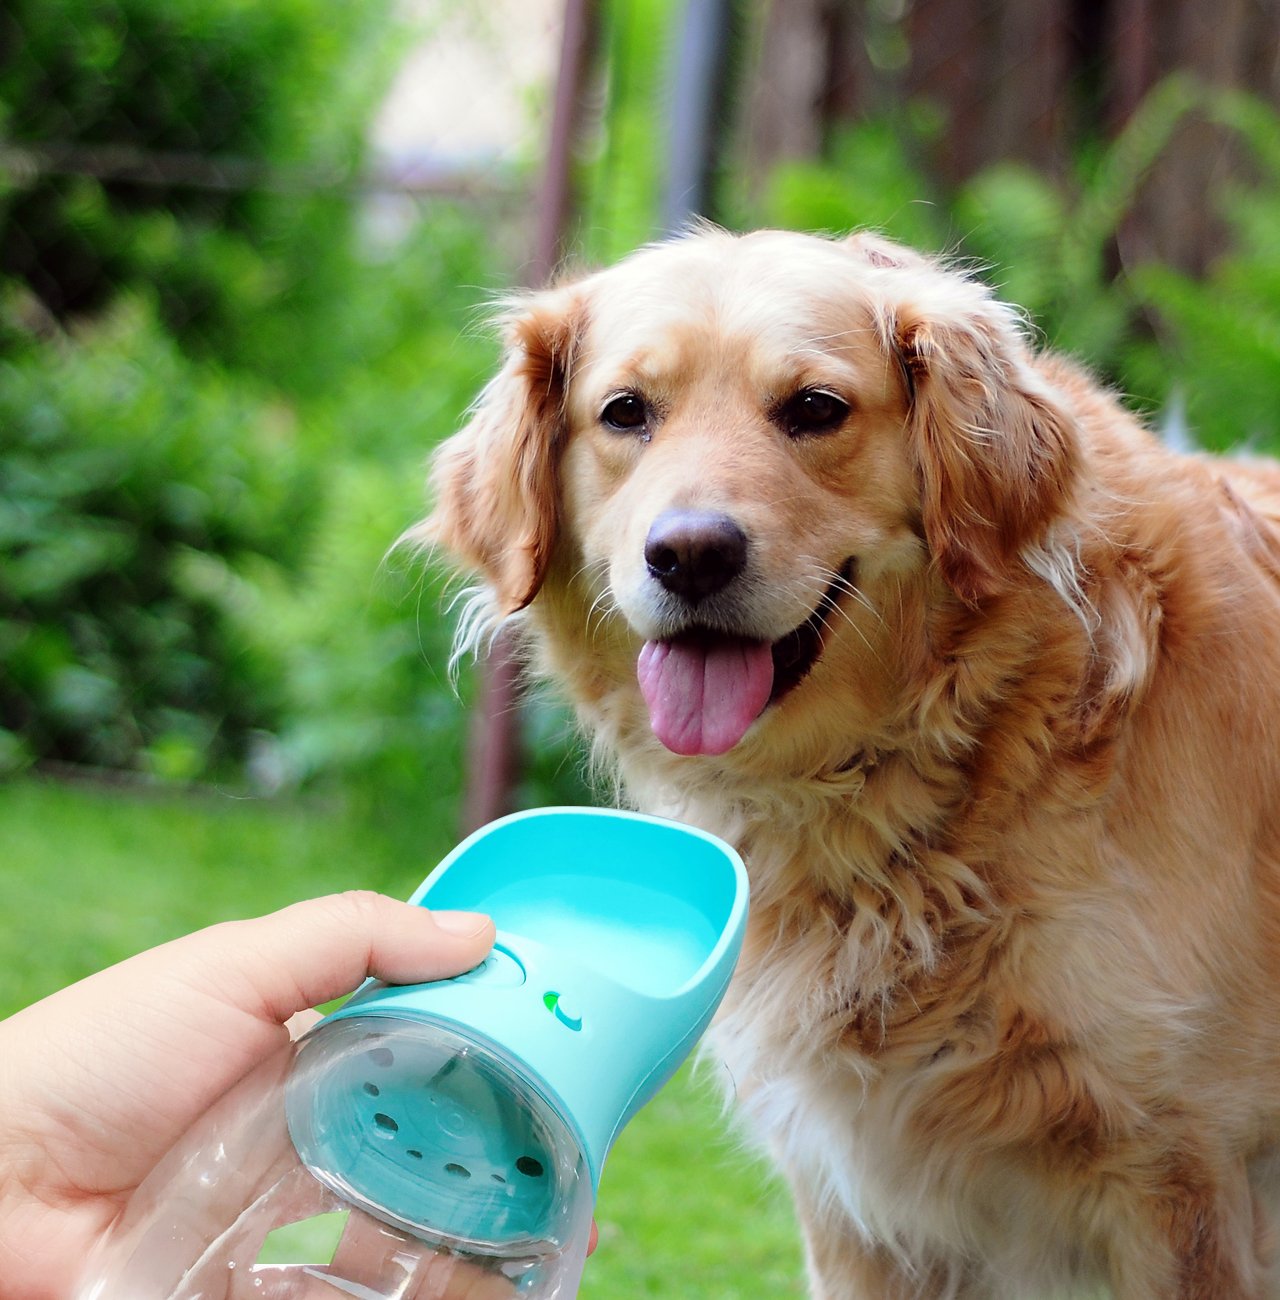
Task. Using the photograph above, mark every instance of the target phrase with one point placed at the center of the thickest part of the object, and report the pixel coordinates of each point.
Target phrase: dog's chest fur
(893, 1005)
(863, 1045)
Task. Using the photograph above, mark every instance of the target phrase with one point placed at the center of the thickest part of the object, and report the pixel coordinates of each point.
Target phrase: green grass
(683, 1212)
(94, 874)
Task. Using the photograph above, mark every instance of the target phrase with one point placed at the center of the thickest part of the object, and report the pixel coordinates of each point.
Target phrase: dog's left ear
(494, 484)
(996, 451)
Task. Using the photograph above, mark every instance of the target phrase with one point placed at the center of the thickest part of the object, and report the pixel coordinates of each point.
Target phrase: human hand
(98, 1081)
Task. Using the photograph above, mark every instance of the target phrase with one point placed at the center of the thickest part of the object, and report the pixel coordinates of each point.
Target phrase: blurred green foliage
(232, 109)
(1214, 351)
(622, 179)
(132, 488)
(216, 403)
(870, 178)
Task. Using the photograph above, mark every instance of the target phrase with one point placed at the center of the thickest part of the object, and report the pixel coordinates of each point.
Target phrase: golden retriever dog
(984, 684)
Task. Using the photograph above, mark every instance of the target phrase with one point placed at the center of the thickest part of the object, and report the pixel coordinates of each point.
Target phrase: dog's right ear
(883, 253)
(996, 452)
(494, 484)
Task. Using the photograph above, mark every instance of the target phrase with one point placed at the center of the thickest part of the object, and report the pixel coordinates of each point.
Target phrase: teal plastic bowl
(477, 1112)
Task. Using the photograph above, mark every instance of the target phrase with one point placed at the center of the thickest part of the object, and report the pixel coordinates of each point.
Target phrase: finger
(423, 1273)
(301, 1022)
(293, 1282)
(449, 1278)
(318, 950)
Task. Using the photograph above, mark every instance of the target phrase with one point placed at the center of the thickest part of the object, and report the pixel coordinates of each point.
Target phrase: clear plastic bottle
(377, 1158)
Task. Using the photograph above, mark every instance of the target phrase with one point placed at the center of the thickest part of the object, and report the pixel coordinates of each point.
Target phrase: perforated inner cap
(435, 1133)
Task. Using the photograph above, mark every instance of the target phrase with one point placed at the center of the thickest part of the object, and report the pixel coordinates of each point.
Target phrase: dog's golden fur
(1008, 1015)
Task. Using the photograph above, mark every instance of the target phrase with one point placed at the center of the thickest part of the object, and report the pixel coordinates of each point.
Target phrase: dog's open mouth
(704, 689)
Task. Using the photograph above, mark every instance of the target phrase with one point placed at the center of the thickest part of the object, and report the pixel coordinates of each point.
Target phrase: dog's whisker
(600, 612)
(860, 634)
(845, 586)
(854, 332)
(601, 609)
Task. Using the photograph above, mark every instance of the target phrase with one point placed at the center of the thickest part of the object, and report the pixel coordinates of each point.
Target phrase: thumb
(318, 950)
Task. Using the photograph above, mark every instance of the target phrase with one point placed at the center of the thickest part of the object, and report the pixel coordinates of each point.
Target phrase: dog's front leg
(1197, 1238)
(844, 1265)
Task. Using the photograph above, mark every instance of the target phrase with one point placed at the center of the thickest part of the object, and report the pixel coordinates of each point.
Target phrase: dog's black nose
(695, 553)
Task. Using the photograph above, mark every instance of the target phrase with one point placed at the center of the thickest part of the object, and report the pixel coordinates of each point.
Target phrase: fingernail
(466, 925)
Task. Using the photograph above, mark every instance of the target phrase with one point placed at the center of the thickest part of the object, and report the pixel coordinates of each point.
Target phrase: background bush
(230, 109)
(216, 402)
(133, 488)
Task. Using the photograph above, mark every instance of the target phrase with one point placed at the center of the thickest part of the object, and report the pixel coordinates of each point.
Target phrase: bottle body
(376, 1158)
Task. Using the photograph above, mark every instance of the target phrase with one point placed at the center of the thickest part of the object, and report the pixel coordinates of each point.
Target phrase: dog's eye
(626, 411)
(812, 410)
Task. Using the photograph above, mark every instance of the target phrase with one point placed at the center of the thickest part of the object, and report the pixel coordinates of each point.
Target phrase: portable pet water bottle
(451, 1135)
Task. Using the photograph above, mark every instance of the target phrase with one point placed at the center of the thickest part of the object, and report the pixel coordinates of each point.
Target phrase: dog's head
(733, 449)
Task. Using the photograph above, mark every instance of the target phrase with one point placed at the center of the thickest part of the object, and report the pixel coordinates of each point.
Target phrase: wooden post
(495, 732)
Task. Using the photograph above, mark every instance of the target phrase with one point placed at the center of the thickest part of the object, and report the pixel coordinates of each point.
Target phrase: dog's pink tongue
(702, 696)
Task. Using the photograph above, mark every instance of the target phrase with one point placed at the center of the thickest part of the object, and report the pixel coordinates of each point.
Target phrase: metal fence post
(699, 110)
